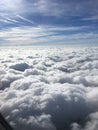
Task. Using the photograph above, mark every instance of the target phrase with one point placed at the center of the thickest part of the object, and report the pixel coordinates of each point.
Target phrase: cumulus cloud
(44, 88)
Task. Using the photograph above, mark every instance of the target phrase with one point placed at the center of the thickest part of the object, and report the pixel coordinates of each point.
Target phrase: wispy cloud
(63, 8)
(45, 35)
(91, 18)
(25, 19)
(49, 7)
(47, 21)
(10, 6)
(7, 19)
(66, 28)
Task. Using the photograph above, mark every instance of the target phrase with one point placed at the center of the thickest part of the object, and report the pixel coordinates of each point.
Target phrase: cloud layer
(49, 88)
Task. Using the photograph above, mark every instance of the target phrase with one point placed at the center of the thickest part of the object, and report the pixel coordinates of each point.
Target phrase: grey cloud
(20, 66)
(43, 7)
(63, 7)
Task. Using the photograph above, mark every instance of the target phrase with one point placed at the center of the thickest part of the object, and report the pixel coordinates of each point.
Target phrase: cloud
(25, 19)
(62, 8)
(19, 66)
(92, 124)
(91, 18)
(9, 5)
(44, 88)
(44, 7)
(29, 10)
(46, 34)
(42, 21)
(65, 8)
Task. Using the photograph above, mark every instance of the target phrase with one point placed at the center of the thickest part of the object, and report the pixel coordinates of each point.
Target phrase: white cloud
(25, 19)
(10, 6)
(49, 88)
(45, 35)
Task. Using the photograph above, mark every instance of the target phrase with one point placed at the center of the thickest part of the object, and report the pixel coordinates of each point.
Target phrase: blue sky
(48, 22)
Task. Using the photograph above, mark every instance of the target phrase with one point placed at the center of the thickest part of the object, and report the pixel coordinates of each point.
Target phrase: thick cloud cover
(49, 88)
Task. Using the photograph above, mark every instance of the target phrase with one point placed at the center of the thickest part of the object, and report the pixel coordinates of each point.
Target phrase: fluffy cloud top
(44, 88)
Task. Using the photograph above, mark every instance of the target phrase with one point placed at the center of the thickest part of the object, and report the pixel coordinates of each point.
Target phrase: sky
(48, 22)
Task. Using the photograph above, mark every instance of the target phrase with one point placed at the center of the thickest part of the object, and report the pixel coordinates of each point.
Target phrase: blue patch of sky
(51, 14)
